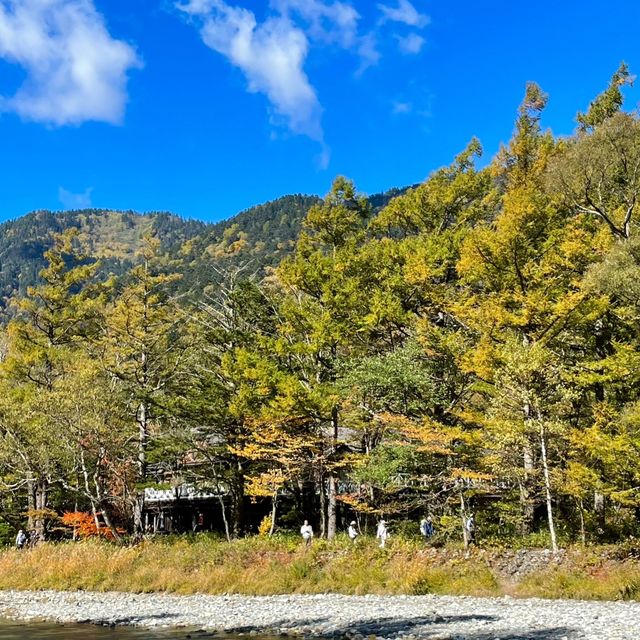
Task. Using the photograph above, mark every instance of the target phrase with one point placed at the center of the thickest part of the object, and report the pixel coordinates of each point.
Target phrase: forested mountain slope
(257, 238)
(113, 237)
(260, 236)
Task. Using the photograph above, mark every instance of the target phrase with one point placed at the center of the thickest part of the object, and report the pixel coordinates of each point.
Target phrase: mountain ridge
(261, 235)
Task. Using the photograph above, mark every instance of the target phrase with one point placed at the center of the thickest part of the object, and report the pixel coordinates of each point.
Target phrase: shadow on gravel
(394, 626)
(133, 620)
(418, 627)
(558, 633)
(280, 624)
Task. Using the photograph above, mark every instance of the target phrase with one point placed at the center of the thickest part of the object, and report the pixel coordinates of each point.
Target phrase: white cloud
(406, 13)
(402, 107)
(70, 200)
(270, 54)
(75, 70)
(328, 21)
(368, 52)
(324, 157)
(411, 44)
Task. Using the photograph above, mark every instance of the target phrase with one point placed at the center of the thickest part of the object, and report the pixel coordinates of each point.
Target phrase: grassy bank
(259, 566)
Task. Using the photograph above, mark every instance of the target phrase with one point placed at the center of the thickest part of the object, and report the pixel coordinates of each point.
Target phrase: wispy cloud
(270, 54)
(70, 200)
(75, 70)
(404, 12)
(401, 107)
(368, 52)
(411, 44)
(327, 21)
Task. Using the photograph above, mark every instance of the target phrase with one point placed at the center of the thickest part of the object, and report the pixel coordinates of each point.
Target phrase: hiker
(33, 538)
(353, 532)
(470, 528)
(306, 531)
(382, 533)
(426, 528)
(21, 539)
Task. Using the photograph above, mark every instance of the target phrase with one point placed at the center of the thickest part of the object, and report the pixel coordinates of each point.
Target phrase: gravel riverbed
(406, 617)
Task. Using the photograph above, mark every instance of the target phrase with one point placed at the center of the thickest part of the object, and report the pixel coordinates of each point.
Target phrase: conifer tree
(324, 299)
(142, 347)
(53, 324)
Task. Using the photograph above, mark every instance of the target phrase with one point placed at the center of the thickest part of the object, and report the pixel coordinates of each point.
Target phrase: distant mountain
(113, 237)
(258, 237)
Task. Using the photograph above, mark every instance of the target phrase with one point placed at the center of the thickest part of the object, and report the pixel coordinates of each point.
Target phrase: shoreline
(335, 616)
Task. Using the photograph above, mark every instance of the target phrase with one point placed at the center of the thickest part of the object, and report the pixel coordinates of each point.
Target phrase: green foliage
(260, 236)
(7, 535)
(466, 346)
(112, 237)
(608, 103)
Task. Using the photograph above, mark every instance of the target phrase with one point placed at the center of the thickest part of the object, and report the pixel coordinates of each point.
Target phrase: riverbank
(258, 566)
(336, 616)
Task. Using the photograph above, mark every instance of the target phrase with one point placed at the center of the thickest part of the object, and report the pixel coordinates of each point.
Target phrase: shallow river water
(17, 631)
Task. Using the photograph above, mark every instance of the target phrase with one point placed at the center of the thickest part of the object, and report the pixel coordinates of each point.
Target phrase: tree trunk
(323, 507)
(526, 503)
(227, 531)
(465, 537)
(547, 486)
(31, 503)
(102, 501)
(41, 505)
(600, 507)
(331, 510)
(274, 506)
(225, 521)
(583, 533)
(237, 501)
(87, 490)
(603, 349)
(107, 520)
(94, 513)
(143, 436)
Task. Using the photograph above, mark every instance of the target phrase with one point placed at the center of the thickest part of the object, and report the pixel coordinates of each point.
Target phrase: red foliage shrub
(84, 525)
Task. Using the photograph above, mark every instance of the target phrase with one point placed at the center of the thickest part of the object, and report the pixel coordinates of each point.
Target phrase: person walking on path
(383, 533)
(353, 532)
(426, 528)
(306, 531)
(21, 539)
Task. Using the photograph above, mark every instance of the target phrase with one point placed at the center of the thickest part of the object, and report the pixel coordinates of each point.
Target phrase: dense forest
(113, 237)
(471, 345)
(257, 238)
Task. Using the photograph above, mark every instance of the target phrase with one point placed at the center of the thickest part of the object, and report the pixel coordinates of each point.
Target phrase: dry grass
(607, 582)
(258, 566)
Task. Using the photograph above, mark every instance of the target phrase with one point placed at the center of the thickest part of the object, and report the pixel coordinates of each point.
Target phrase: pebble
(336, 616)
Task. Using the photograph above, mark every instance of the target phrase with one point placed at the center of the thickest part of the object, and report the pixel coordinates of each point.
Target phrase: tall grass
(258, 566)
(613, 582)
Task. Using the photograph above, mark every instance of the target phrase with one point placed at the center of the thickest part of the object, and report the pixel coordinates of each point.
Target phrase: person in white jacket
(306, 531)
(382, 533)
(353, 532)
(21, 539)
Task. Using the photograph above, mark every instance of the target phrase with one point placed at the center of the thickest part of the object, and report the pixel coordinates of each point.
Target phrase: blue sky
(206, 107)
